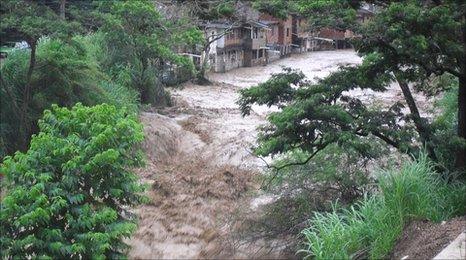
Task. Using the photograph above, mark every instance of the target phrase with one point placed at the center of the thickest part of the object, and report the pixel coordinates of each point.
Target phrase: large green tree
(29, 21)
(138, 38)
(407, 42)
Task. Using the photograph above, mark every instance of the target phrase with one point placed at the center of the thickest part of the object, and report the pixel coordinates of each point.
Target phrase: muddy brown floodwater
(200, 168)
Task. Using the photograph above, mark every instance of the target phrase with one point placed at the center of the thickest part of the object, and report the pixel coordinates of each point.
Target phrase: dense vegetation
(116, 52)
(371, 226)
(86, 69)
(69, 132)
(328, 141)
(68, 195)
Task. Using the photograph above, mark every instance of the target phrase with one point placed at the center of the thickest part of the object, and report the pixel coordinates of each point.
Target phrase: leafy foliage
(277, 8)
(315, 115)
(66, 73)
(398, 45)
(370, 227)
(67, 196)
(334, 174)
(138, 39)
(29, 21)
(444, 128)
(340, 14)
(208, 10)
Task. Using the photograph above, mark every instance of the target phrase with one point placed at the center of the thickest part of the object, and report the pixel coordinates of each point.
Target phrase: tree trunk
(62, 9)
(24, 122)
(461, 154)
(201, 78)
(143, 85)
(420, 124)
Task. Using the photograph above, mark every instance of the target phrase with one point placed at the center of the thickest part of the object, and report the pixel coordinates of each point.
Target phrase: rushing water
(201, 168)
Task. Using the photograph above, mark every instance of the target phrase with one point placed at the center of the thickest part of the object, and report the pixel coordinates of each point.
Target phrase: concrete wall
(228, 60)
(220, 43)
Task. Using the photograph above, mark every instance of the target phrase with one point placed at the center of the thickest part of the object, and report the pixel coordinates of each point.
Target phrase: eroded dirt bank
(201, 170)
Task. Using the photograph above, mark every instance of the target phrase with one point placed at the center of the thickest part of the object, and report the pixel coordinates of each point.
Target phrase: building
(330, 38)
(254, 43)
(301, 36)
(273, 49)
(282, 42)
(226, 49)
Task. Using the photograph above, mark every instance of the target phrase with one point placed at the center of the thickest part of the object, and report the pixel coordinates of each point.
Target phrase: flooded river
(200, 166)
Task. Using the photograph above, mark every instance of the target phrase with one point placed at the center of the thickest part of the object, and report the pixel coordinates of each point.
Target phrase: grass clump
(371, 226)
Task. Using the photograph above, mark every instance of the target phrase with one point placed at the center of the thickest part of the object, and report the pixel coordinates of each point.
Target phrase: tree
(210, 38)
(68, 195)
(139, 39)
(29, 21)
(203, 12)
(314, 116)
(65, 73)
(403, 34)
(398, 45)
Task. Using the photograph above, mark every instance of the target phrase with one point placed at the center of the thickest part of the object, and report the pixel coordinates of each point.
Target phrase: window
(287, 32)
(261, 53)
(255, 32)
(254, 54)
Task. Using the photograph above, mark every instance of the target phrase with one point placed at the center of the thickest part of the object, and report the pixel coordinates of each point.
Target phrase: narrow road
(200, 167)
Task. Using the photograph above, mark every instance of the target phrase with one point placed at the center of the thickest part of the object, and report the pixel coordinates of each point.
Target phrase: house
(226, 52)
(330, 38)
(273, 48)
(301, 36)
(254, 43)
(363, 16)
(283, 42)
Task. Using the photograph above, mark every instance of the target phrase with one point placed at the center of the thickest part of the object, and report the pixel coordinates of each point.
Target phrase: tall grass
(371, 227)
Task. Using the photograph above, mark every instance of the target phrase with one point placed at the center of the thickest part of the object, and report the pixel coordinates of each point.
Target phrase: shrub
(333, 174)
(69, 194)
(66, 73)
(444, 128)
(371, 226)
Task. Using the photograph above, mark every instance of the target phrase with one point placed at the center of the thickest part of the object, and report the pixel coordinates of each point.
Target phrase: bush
(69, 194)
(333, 174)
(372, 226)
(444, 128)
(65, 73)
